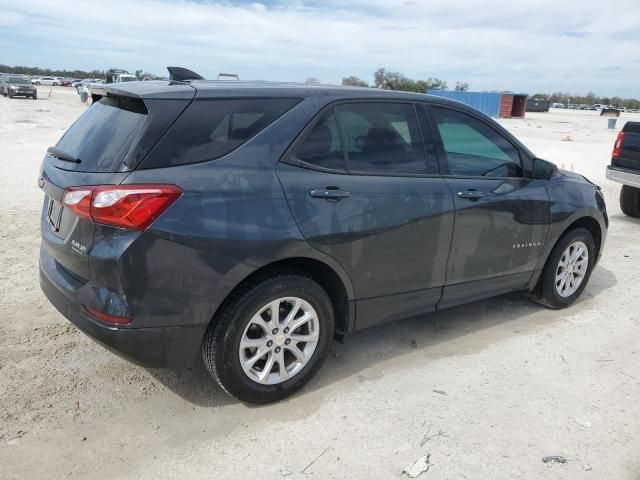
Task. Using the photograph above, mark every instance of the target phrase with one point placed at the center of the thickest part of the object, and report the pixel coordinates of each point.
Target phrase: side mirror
(543, 170)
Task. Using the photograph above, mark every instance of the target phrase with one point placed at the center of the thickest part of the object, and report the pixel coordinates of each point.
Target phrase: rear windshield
(210, 129)
(104, 133)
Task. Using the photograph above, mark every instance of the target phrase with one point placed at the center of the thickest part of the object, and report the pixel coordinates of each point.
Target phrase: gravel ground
(485, 390)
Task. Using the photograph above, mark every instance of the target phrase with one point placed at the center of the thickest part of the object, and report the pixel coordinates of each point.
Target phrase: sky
(527, 46)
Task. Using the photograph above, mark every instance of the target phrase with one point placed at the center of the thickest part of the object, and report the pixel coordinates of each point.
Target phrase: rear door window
(322, 146)
(103, 135)
(382, 138)
(210, 129)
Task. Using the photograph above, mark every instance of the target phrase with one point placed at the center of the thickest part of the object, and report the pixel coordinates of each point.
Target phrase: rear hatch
(102, 147)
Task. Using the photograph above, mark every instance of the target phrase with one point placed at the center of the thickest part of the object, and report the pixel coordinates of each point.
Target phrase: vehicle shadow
(456, 331)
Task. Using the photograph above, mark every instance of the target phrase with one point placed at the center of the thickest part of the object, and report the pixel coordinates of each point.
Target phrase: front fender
(571, 202)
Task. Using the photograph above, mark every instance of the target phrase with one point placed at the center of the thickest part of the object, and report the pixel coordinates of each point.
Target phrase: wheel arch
(337, 286)
(587, 222)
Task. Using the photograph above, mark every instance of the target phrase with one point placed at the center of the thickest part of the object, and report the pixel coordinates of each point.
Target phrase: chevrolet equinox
(250, 224)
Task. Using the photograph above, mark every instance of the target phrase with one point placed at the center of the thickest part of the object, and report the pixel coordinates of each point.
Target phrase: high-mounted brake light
(617, 147)
(134, 207)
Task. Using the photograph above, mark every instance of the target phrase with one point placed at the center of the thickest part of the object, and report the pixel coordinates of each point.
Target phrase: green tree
(353, 81)
(462, 86)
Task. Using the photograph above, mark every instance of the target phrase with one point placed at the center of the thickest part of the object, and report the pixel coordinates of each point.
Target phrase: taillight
(617, 147)
(134, 207)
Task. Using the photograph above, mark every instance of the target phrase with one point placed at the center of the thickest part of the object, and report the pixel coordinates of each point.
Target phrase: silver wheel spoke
(274, 308)
(256, 356)
(253, 342)
(300, 321)
(291, 315)
(282, 368)
(312, 337)
(299, 354)
(262, 376)
(259, 321)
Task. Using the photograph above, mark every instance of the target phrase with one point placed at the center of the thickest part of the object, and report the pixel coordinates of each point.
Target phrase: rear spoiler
(176, 74)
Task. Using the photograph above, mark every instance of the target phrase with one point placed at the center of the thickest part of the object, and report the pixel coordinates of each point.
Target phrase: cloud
(525, 46)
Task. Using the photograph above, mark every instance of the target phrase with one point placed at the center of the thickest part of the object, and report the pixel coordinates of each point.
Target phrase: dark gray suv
(250, 224)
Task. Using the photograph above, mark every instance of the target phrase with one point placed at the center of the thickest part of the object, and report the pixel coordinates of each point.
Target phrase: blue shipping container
(487, 102)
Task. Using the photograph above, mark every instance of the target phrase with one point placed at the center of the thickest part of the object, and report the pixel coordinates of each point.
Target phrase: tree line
(397, 81)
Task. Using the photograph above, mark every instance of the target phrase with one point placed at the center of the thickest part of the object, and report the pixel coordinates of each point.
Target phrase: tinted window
(104, 133)
(210, 129)
(18, 80)
(321, 146)
(381, 138)
(473, 148)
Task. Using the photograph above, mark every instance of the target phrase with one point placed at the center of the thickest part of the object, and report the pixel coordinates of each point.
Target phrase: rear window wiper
(62, 155)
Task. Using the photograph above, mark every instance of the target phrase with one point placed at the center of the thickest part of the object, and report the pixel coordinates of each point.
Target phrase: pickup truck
(625, 168)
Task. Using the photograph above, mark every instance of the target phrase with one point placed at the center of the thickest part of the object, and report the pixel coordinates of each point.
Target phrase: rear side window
(475, 149)
(210, 129)
(382, 138)
(322, 146)
(378, 138)
(103, 135)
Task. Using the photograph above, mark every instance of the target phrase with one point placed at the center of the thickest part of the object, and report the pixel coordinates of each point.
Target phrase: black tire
(35, 97)
(37, 83)
(546, 293)
(220, 348)
(630, 201)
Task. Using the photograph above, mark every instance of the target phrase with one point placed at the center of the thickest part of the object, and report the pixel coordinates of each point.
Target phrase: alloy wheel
(572, 268)
(279, 340)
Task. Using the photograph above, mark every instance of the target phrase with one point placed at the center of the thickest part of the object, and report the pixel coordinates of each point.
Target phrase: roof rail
(182, 74)
(228, 75)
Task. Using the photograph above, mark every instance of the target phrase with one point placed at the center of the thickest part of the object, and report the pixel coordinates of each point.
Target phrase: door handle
(471, 194)
(329, 193)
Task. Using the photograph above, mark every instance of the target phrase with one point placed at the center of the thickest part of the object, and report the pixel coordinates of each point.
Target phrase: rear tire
(561, 273)
(292, 356)
(630, 201)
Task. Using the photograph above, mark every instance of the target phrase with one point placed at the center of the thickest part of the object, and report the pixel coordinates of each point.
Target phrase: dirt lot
(505, 381)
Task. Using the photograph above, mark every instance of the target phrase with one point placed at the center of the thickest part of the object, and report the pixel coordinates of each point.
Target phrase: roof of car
(235, 88)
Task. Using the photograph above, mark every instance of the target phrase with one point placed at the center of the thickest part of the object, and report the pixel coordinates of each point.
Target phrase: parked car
(55, 81)
(67, 82)
(17, 86)
(251, 223)
(625, 168)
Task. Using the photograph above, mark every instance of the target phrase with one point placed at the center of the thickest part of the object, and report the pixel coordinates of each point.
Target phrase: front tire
(270, 338)
(568, 269)
(630, 201)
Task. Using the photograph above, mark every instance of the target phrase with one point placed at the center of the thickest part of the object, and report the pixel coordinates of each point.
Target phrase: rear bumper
(153, 347)
(625, 177)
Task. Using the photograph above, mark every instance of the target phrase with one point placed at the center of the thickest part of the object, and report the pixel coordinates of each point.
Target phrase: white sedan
(55, 81)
